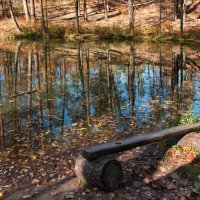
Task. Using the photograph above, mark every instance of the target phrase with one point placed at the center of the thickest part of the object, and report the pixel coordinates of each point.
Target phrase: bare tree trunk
(13, 17)
(2, 5)
(44, 28)
(46, 15)
(33, 14)
(26, 10)
(85, 10)
(160, 23)
(131, 14)
(106, 9)
(77, 17)
(79, 8)
(175, 5)
(183, 13)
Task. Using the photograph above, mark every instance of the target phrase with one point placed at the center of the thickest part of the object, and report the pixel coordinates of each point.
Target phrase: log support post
(104, 172)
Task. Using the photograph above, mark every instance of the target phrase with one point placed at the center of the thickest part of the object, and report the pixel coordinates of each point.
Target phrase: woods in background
(37, 10)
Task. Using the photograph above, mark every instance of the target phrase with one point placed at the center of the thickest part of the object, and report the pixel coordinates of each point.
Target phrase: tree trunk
(85, 10)
(79, 8)
(33, 15)
(2, 5)
(44, 29)
(130, 13)
(46, 15)
(77, 16)
(106, 9)
(104, 172)
(13, 17)
(160, 21)
(183, 12)
(26, 10)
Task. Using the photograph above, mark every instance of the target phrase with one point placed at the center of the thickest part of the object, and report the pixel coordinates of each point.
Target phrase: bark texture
(104, 172)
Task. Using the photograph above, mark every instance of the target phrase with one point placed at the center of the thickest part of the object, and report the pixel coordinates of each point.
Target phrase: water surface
(87, 93)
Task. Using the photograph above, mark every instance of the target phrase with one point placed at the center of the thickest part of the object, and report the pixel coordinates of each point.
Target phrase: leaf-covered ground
(49, 174)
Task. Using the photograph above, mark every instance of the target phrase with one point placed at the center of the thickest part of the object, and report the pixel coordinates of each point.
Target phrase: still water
(93, 92)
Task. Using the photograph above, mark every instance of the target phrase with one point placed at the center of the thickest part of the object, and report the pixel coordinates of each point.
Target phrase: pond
(85, 93)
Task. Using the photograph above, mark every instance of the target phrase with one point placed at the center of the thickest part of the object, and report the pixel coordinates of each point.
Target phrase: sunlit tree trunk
(160, 21)
(79, 8)
(131, 14)
(183, 14)
(44, 28)
(175, 9)
(13, 17)
(85, 10)
(106, 9)
(33, 14)
(26, 10)
(46, 15)
(77, 16)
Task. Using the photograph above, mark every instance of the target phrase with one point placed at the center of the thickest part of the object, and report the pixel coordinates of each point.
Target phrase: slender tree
(160, 21)
(85, 10)
(77, 16)
(131, 14)
(33, 14)
(13, 17)
(183, 13)
(26, 10)
(106, 9)
(79, 8)
(44, 28)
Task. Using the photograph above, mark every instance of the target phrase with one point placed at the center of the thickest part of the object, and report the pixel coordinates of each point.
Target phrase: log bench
(97, 166)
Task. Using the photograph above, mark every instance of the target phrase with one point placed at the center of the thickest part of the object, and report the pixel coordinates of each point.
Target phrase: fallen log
(21, 94)
(104, 172)
(96, 168)
(94, 152)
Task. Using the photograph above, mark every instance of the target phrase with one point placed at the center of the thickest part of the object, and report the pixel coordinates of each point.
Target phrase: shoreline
(91, 33)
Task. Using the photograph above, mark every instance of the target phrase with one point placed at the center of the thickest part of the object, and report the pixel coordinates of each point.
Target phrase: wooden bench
(96, 166)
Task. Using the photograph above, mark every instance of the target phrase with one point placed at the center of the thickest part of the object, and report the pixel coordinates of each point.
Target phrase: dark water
(91, 92)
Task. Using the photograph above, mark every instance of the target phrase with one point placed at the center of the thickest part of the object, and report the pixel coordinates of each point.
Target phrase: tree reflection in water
(86, 93)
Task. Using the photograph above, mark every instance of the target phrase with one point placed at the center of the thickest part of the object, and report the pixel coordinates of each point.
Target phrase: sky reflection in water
(53, 87)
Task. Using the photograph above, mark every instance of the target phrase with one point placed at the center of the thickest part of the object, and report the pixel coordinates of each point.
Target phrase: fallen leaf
(88, 190)
(1, 195)
(118, 142)
(33, 157)
(35, 181)
(27, 196)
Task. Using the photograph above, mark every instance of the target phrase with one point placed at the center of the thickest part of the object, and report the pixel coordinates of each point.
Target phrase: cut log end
(104, 172)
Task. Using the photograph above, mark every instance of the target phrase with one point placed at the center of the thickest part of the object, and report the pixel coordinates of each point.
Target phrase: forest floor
(61, 22)
(150, 172)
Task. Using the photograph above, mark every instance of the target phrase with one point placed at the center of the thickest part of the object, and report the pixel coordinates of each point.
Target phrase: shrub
(56, 31)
